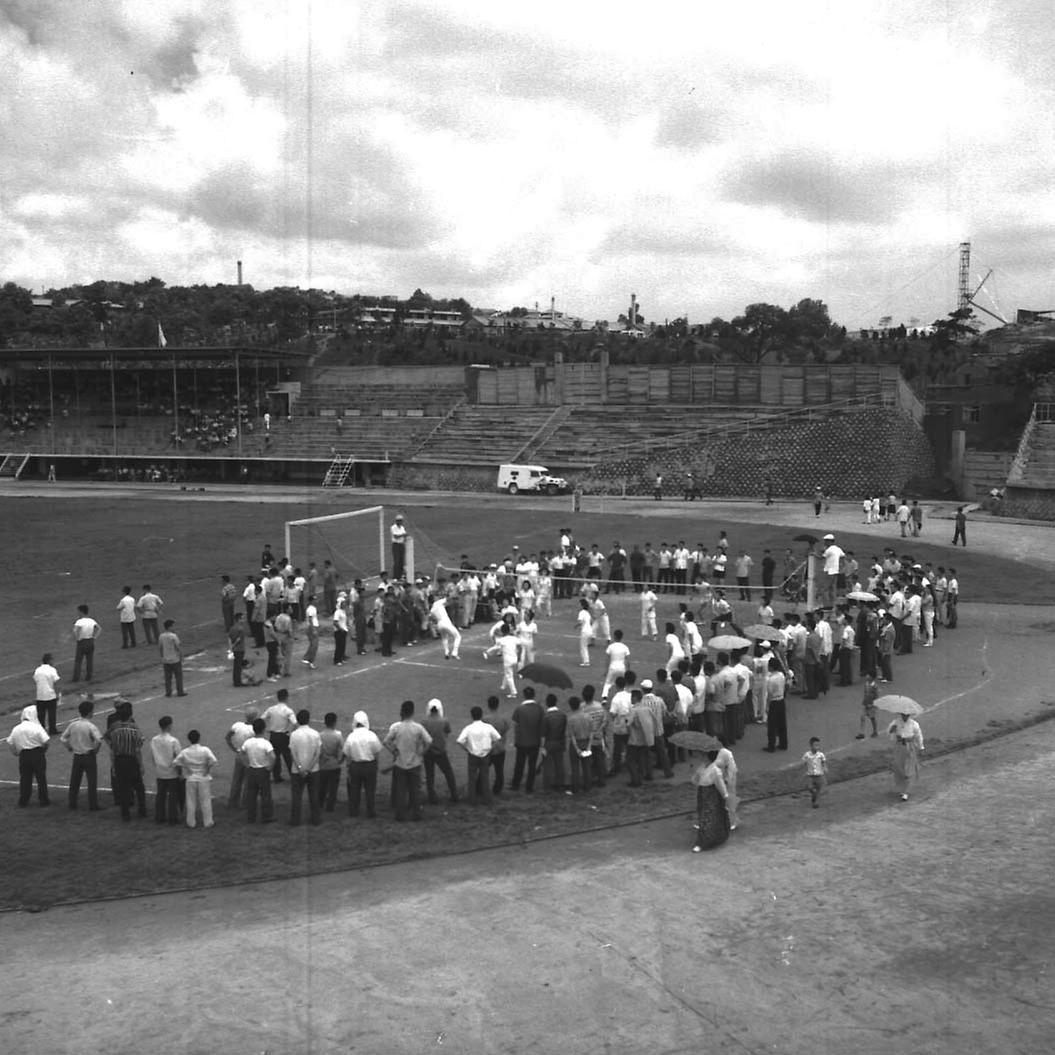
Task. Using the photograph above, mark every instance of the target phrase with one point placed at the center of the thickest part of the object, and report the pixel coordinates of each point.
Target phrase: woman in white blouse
(712, 798)
(904, 730)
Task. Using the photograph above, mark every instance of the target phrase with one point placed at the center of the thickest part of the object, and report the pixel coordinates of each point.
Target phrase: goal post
(354, 542)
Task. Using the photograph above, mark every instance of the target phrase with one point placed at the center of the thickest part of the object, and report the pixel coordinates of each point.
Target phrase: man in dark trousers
(554, 732)
(769, 567)
(236, 639)
(527, 732)
(960, 534)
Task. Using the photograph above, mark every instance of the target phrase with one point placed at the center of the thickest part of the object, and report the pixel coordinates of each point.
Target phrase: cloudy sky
(703, 155)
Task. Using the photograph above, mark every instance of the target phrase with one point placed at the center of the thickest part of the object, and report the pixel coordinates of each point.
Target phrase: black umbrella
(812, 540)
(546, 674)
(694, 740)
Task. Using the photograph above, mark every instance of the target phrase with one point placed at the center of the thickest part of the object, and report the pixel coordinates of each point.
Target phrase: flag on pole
(162, 343)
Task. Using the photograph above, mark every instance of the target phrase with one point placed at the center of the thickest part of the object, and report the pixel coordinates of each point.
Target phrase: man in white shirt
(398, 534)
(83, 740)
(235, 737)
(280, 721)
(693, 638)
(441, 620)
(361, 750)
(618, 657)
(680, 565)
(258, 757)
(311, 623)
(149, 607)
(478, 738)
(305, 746)
(832, 557)
(85, 631)
(197, 763)
(164, 748)
(249, 597)
(126, 613)
(648, 613)
(913, 609)
(903, 514)
(29, 741)
(45, 680)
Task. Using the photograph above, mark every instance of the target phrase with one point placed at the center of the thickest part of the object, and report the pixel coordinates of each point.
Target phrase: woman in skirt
(712, 814)
(904, 730)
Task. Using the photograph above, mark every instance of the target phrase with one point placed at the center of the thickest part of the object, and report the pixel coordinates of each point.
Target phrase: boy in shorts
(868, 702)
(816, 770)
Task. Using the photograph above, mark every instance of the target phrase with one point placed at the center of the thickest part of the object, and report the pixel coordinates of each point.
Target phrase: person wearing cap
(437, 726)
(29, 741)
(641, 736)
(361, 750)
(832, 556)
(398, 534)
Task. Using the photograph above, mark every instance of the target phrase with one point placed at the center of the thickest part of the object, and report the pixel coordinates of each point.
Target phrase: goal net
(355, 543)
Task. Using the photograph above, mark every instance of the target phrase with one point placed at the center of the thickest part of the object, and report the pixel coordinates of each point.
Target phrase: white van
(516, 478)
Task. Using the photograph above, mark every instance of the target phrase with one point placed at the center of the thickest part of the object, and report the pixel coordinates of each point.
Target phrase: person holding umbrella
(907, 736)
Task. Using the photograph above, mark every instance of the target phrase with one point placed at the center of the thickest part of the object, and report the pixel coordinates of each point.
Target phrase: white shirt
(279, 718)
(45, 677)
(311, 614)
(585, 623)
(305, 744)
(693, 638)
(165, 747)
(239, 733)
(478, 738)
(438, 614)
(765, 615)
(824, 629)
(257, 753)
(832, 555)
(674, 644)
(86, 628)
(510, 646)
(618, 654)
(249, 593)
(127, 607)
(196, 761)
(29, 733)
(398, 533)
(362, 745)
(648, 601)
(684, 701)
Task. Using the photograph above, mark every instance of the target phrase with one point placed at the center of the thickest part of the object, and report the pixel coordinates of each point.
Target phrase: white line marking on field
(457, 665)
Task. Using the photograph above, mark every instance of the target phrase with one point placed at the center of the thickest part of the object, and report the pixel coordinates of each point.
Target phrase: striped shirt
(125, 739)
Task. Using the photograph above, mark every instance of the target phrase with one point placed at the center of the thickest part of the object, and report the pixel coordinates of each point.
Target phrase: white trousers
(199, 794)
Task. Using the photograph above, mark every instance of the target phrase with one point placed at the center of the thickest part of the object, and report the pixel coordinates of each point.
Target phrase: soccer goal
(354, 542)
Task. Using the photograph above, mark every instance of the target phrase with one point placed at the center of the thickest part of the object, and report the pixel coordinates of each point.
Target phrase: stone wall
(1031, 503)
(849, 456)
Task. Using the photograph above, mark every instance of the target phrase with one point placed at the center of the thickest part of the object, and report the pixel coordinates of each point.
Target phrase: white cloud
(704, 155)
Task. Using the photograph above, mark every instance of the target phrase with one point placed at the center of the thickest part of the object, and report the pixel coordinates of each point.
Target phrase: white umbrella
(898, 705)
(861, 595)
(728, 643)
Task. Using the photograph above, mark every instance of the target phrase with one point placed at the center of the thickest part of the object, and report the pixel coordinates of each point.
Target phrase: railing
(426, 440)
(763, 423)
(1017, 471)
(543, 433)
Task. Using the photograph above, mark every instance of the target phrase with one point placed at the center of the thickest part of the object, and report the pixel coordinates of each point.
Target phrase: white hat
(399, 516)
(828, 538)
(434, 703)
(764, 644)
(646, 684)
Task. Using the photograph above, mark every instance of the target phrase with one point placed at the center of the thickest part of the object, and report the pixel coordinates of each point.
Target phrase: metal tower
(964, 297)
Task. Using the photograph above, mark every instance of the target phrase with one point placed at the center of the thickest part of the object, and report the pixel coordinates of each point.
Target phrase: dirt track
(865, 926)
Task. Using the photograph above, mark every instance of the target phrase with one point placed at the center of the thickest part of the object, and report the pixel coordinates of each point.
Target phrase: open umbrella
(694, 740)
(812, 540)
(763, 633)
(728, 643)
(861, 595)
(546, 674)
(898, 705)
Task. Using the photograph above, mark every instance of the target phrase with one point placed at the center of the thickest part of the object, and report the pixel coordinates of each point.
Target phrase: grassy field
(84, 550)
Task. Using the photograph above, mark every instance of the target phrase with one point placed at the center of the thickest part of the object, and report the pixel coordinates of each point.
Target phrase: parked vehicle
(516, 478)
